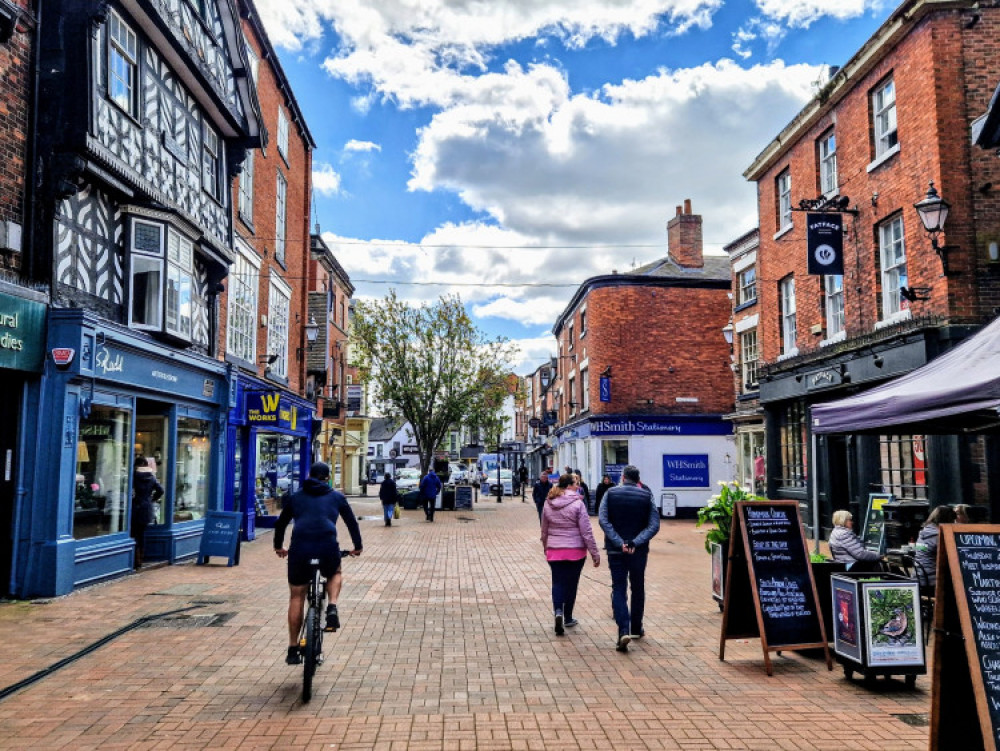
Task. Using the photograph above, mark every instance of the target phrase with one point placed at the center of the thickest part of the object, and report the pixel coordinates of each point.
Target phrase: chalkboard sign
(770, 572)
(873, 533)
(463, 496)
(221, 536)
(965, 696)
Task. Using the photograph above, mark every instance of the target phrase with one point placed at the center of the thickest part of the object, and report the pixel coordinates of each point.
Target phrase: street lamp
(499, 481)
(727, 334)
(312, 331)
(933, 212)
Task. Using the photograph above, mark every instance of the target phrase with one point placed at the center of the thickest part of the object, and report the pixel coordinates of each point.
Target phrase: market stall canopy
(957, 392)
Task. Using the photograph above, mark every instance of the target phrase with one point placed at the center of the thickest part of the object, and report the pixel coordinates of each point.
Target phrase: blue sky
(535, 143)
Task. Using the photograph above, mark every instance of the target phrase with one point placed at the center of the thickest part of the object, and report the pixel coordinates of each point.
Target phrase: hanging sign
(605, 389)
(825, 243)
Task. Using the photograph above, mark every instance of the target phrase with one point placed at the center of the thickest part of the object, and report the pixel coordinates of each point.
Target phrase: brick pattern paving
(447, 644)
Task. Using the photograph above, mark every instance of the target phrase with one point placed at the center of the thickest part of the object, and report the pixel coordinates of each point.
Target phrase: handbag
(395, 512)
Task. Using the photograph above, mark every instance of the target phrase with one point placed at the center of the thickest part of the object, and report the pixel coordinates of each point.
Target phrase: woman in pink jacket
(566, 538)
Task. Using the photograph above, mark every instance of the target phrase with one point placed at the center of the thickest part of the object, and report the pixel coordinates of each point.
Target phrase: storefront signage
(654, 426)
(823, 379)
(22, 334)
(410, 448)
(221, 536)
(63, 356)
(685, 471)
(605, 389)
(272, 409)
(825, 243)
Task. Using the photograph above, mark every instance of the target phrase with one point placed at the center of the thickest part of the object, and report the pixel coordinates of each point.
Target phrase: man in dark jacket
(540, 492)
(389, 496)
(315, 509)
(430, 486)
(630, 520)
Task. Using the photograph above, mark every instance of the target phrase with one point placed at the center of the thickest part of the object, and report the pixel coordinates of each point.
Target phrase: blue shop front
(268, 449)
(109, 395)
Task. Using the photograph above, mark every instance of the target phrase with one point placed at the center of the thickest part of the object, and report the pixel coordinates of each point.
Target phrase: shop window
(834, 304)
(151, 442)
(792, 472)
(892, 255)
(277, 328)
(241, 326)
(103, 470)
(277, 469)
(749, 358)
(162, 262)
(752, 466)
(281, 193)
(194, 468)
(903, 466)
(614, 457)
(123, 64)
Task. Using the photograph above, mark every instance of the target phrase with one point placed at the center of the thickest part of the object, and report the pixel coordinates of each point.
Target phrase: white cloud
(802, 13)
(325, 180)
(361, 146)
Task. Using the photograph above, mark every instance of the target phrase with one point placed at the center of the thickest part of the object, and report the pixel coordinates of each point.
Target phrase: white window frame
(280, 199)
(584, 389)
(246, 187)
(574, 405)
(241, 322)
(884, 118)
(747, 280)
(278, 315)
(749, 357)
(828, 164)
(123, 64)
(211, 162)
(892, 261)
(833, 304)
(789, 343)
(151, 260)
(173, 260)
(784, 187)
(569, 335)
(282, 133)
(252, 59)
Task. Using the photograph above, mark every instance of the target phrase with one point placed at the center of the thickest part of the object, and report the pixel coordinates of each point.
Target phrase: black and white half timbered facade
(146, 110)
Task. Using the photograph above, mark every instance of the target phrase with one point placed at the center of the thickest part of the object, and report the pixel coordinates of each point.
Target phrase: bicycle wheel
(310, 652)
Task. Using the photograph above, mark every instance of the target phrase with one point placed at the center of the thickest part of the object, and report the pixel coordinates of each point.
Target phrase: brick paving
(447, 644)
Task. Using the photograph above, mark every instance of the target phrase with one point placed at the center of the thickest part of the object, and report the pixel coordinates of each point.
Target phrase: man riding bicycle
(315, 509)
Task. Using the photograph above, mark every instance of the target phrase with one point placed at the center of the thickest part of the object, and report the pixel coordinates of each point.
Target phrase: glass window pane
(194, 468)
(102, 472)
(146, 280)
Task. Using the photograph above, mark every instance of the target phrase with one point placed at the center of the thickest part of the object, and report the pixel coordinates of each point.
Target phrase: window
(241, 329)
(749, 356)
(123, 65)
(583, 322)
(884, 118)
(747, 280)
(784, 185)
(103, 469)
(793, 472)
(584, 389)
(161, 279)
(246, 187)
(752, 464)
(282, 133)
(892, 255)
(903, 466)
(569, 335)
(788, 332)
(210, 163)
(193, 470)
(834, 303)
(253, 60)
(277, 328)
(279, 220)
(571, 396)
(828, 164)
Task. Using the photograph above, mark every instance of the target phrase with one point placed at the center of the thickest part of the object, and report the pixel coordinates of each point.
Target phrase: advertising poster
(893, 629)
(846, 624)
(718, 577)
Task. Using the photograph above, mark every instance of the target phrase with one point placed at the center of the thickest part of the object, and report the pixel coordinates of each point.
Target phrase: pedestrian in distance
(567, 537)
(540, 491)
(602, 488)
(146, 491)
(430, 486)
(584, 490)
(630, 520)
(522, 476)
(389, 496)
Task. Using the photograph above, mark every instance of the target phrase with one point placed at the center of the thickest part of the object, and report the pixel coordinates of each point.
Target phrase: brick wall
(15, 62)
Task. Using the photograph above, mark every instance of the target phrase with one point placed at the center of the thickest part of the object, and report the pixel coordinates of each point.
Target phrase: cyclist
(315, 509)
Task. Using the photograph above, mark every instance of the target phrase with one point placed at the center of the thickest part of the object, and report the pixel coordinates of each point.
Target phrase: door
(10, 414)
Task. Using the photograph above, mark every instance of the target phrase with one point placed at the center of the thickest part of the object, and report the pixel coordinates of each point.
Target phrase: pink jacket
(566, 524)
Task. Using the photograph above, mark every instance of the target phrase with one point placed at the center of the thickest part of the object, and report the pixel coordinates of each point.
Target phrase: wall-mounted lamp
(933, 212)
(878, 360)
(727, 334)
(606, 373)
(312, 331)
(875, 199)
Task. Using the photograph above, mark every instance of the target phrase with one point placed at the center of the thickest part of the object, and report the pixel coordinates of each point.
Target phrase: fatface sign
(825, 243)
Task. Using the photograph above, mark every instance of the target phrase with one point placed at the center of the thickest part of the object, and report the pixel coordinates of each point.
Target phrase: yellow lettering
(270, 402)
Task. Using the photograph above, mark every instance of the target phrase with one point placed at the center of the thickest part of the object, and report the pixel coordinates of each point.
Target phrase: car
(407, 479)
(458, 473)
(506, 479)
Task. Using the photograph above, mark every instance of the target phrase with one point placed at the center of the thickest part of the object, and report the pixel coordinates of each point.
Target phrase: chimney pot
(679, 211)
(687, 205)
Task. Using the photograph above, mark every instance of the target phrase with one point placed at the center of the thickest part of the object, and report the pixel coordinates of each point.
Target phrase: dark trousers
(429, 507)
(540, 507)
(565, 580)
(628, 570)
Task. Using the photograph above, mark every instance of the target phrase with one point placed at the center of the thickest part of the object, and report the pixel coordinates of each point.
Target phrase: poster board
(463, 497)
(221, 537)
(770, 591)
(965, 693)
(873, 532)
(718, 572)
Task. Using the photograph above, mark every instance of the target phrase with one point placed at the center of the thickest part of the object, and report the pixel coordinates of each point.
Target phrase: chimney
(684, 244)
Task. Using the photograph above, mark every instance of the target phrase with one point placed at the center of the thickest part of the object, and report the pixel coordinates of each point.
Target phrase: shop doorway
(10, 416)
(152, 441)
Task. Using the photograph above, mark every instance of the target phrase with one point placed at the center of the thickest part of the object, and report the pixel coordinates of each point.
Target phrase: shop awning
(955, 393)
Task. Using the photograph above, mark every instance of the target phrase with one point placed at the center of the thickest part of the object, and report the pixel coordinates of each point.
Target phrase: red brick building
(642, 373)
(893, 119)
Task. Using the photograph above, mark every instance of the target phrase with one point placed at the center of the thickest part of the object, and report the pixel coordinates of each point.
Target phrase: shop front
(108, 397)
(268, 450)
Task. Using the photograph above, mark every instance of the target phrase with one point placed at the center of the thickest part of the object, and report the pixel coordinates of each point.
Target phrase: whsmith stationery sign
(825, 242)
(22, 334)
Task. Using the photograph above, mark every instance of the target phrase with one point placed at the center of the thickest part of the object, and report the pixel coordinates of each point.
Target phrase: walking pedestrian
(584, 490)
(540, 492)
(602, 488)
(389, 495)
(566, 538)
(630, 520)
(146, 491)
(430, 486)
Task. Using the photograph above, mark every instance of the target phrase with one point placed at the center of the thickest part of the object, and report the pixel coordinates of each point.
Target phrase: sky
(508, 150)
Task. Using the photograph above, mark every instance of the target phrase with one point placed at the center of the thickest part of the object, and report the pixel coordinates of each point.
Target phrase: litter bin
(411, 500)
(448, 498)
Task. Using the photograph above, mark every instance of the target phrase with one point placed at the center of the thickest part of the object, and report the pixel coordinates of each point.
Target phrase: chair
(927, 593)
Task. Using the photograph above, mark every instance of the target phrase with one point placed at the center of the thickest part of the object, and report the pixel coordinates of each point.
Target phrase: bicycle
(311, 634)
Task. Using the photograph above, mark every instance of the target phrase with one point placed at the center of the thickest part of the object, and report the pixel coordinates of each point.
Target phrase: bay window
(162, 271)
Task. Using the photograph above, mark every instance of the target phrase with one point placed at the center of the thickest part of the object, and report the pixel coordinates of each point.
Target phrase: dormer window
(162, 271)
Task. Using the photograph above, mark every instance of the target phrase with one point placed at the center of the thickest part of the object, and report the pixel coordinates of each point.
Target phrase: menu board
(768, 548)
(873, 534)
(463, 496)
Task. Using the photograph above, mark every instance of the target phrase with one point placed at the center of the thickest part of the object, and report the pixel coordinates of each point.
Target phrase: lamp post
(499, 481)
(933, 212)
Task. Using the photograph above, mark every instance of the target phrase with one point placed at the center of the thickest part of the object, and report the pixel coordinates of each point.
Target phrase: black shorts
(300, 567)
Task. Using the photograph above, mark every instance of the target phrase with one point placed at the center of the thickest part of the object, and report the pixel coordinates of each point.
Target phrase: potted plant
(719, 512)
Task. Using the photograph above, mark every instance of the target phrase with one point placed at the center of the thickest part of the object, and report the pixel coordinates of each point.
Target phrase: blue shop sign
(272, 409)
(660, 426)
(134, 368)
(685, 471)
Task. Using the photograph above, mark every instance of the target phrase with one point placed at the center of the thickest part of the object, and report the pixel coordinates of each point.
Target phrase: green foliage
(719, 511)
(891, 615)
(818, 558)
(431, 366)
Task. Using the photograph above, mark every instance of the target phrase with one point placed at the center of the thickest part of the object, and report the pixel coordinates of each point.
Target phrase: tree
(430, 365)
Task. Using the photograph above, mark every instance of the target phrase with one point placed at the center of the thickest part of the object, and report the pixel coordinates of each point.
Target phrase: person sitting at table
(962, 513)
(925, 556)
(846, 547)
